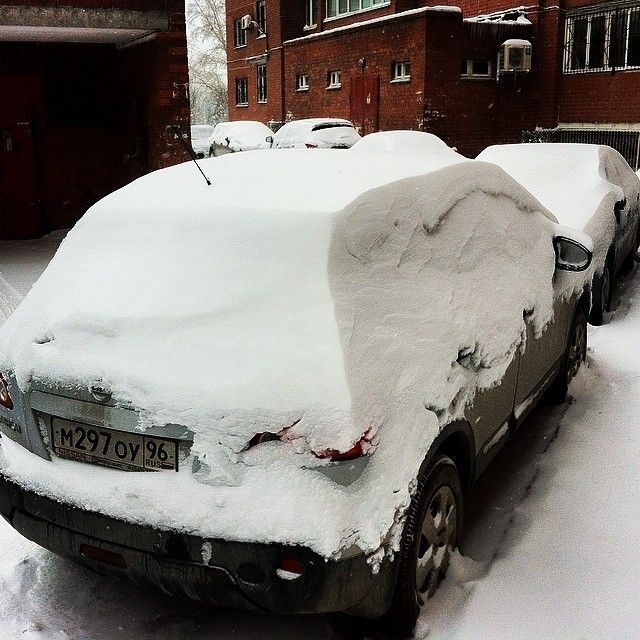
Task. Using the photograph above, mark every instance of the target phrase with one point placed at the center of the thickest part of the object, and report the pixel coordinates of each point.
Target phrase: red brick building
(89, 91)
(389, 64)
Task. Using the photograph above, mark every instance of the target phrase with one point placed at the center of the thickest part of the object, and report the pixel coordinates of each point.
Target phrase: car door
(543, 353)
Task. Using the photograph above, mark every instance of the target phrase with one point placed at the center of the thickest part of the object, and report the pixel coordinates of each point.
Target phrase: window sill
(243, 105)
(304, 90)
(239, 46)
(264, 35)
(359, 11)
(476, 78)
(309, 27)
(262, 102)
(400, 81)
(332, 87)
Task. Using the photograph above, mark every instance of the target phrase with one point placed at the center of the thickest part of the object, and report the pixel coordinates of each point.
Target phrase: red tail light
(310, 145)
(5, 396)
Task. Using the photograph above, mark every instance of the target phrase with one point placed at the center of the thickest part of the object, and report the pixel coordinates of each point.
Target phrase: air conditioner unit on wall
(245, 22)
(515, 55)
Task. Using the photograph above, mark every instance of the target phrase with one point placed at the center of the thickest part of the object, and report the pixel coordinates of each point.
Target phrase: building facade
(388, 64)
(89, 95)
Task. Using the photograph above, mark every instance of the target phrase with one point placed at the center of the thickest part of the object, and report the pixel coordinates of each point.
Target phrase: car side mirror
(571, 255)
(269, 139)
(618, 207)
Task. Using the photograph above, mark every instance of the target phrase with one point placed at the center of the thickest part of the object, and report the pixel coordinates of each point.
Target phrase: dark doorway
(19, 201)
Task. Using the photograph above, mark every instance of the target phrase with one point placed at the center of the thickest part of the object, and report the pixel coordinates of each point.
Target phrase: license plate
(111, 448)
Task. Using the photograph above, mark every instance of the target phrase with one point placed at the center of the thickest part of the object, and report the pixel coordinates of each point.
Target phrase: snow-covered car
(315, 370)
(314, 133)
(403, 142)
(240, 135)
(588, 187)
(200, 139)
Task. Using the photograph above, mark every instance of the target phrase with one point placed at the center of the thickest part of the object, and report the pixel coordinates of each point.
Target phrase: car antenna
(192, 155)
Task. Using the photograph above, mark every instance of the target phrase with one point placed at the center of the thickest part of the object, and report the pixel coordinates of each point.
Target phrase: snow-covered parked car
(200, 139)
(588, 187)
(315, 370)
(240, 135)
(314, 133)
(404, 142)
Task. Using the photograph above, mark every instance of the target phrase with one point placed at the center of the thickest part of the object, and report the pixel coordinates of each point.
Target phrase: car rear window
(331, 125)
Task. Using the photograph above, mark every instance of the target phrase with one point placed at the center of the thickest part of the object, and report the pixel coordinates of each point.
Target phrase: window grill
(602, 40)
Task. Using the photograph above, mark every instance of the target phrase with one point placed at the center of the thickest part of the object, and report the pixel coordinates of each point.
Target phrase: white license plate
(111, 448)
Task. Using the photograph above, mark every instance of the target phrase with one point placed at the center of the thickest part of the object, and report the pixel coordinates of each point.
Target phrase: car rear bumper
(235, 574)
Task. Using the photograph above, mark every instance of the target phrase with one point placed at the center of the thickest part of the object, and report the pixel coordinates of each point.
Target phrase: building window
(334, 79)
(336, 8)
(311, 11)
(261, 71)
(401, 71)
(242, 92)
(302, 82)
(602, 40)
(475, 69)
(261, 18)
(239, 34)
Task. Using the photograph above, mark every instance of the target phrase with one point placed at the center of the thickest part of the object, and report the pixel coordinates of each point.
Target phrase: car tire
(601, 301)
(431, 531)
(575, 354)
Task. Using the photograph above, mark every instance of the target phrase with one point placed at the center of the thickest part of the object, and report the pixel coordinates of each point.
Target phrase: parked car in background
(405, 143)
(200, 139)
(240, 135)
(331, 349)
(315, 133)
(588, 187)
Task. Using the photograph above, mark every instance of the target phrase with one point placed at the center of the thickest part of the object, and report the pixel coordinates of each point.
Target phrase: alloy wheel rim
(437, 538)
(576, 351)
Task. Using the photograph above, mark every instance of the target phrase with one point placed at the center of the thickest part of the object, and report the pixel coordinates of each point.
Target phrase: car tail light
(290, 569)
(103, 556)
(310, 145)
(5, 396)
(360, 448)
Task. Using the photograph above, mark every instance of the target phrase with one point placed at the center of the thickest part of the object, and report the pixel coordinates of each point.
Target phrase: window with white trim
(337, 8)
(239, 34)
(261, 18)
(242, 92)
(261, 73)
(302, 82)
(334, 79)
(311, 9)
(401, 71)
(602, 40)
(475, 69)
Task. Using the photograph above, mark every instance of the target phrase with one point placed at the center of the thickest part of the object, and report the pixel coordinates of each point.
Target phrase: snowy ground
(550, 549)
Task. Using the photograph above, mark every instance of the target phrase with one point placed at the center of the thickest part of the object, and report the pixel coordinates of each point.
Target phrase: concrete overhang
(70, 24)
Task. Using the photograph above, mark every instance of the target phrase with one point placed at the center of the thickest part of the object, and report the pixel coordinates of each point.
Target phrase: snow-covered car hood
(580, 183)
(339, 304)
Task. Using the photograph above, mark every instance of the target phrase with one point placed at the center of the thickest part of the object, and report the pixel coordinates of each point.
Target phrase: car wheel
(431, 531)
(601, 297)
(575, 355)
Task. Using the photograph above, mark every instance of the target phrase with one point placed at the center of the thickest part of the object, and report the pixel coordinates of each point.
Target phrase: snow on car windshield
(334, 306)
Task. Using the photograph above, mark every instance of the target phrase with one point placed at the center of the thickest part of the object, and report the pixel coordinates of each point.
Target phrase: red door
(363, 100)
(19, 203)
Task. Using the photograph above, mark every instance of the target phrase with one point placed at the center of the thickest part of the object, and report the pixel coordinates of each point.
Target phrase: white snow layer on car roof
(240, 135)
(332, 289)
(579, 183)
(403, 142)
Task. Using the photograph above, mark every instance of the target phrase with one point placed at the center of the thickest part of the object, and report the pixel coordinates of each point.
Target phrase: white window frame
(262, 28)
(608, 14)
(400, 71)
(311, 9)
(239, 34)
(261, 84)
(302, 82)
(479, 76)
(246, 92)
(334, 79)
(347, 11)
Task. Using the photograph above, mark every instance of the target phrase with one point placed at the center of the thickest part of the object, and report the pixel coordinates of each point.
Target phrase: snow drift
(330, 293)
